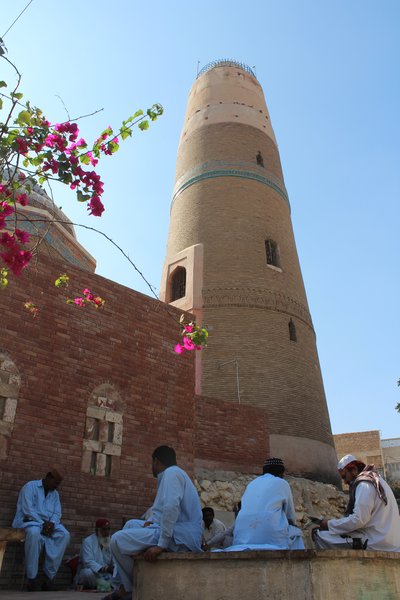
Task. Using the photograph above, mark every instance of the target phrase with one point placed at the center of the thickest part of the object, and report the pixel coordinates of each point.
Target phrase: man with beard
(39, 513)
(371, 517)
(175, 524)
(95, 559)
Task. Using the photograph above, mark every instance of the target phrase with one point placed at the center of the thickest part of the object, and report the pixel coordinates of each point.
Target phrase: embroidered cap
(278, 462)
(346, 461)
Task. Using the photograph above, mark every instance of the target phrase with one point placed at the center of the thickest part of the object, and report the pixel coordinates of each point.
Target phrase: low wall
(283, 575)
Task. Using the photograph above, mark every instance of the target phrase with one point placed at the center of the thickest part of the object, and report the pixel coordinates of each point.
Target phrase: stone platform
(266, 575)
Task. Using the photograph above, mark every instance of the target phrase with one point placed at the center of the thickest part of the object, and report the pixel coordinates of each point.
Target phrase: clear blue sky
(330, 73)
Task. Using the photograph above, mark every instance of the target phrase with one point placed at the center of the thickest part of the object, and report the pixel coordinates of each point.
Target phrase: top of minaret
(225, 62)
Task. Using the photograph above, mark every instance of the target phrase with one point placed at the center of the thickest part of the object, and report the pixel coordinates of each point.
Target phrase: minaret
(232, 261)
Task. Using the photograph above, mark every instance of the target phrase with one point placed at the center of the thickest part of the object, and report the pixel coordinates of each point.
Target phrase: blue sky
(330, 74)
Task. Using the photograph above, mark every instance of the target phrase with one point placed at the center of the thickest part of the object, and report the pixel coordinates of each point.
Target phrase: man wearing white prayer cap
(371, 517)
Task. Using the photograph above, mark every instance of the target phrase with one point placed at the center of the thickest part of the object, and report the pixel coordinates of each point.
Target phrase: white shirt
(372, 519)
(215, 527)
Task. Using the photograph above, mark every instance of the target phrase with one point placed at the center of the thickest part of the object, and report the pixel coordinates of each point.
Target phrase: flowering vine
(33, 150)
(194, 337)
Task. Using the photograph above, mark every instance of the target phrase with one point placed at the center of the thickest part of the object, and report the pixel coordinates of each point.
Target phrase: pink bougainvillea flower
(95, 206)
(22, 145)
(189, 328)
(23, 236)
(179, 349)
(22, 199)
(189, 345)
(79, 301)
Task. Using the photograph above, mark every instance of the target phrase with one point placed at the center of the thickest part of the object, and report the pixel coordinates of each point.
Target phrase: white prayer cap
(345, 461)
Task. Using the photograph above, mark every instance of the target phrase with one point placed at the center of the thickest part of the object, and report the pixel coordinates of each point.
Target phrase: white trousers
(54, 547)
(133, 539)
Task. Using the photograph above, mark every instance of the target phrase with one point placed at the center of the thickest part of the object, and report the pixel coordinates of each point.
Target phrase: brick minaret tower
(232, 261)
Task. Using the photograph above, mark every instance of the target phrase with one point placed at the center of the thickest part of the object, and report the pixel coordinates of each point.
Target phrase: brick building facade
(93, 392)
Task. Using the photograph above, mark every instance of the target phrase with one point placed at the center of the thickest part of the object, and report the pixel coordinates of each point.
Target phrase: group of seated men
(265, 520)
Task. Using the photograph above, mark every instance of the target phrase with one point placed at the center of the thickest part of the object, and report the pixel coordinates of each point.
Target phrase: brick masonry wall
(364, 445)
(230, 437)
(62, 355)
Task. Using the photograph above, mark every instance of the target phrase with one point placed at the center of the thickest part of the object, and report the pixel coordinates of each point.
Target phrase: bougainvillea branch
(194, 337)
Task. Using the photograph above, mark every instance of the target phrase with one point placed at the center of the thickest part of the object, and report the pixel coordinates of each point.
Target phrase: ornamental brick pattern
(229, 198)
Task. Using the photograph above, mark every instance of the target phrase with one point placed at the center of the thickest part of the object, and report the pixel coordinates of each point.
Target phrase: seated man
(372, 514)
(212, 527)
(224, 538)
(95, 559)
(174, 525)
(39, 513)
(267, 517)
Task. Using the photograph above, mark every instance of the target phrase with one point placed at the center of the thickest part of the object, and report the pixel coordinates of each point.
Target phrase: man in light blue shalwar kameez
(95, 558)
(39, 513)
(267, 517)
(175, 523)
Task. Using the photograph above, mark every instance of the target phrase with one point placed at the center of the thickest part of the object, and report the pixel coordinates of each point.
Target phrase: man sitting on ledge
(39, 513)
(372, 514)
(175, 525)
(267, 517)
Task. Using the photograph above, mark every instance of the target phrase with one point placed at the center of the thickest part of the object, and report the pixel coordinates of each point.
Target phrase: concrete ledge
(266, 575)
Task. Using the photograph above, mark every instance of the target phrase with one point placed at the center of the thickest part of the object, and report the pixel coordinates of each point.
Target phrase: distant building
(391, 455)
(371, 449)
(365, 445)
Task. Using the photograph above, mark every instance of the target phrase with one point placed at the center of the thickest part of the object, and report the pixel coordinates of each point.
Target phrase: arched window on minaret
(259, 159)
(292, 331)
(178, 284)
(271, 251)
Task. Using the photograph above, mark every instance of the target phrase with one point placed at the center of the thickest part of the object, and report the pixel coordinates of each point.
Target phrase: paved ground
(65, 595)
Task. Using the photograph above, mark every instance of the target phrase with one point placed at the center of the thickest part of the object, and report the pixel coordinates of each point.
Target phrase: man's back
(263, 519)
(177, 501)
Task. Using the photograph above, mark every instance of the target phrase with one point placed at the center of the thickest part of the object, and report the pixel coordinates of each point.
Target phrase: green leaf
(125, 132)
(84, 159)
(143, 125)
(26, 162)
(17, 95)
(24, 118)
(113, 147)
(82, 197)
(1, 103)
(3, 84)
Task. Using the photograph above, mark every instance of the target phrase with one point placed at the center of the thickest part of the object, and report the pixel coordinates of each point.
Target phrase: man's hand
(47, 528)
(323, 526)
(148, 523)
(153, 553)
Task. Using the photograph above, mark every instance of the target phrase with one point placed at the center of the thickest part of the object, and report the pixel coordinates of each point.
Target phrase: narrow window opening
(271, 251)
(292, 331)
(178, 284)
(93, 463)
(2, 406)
(107, 470)
(110, 436)
(259, 159)
(96, 429)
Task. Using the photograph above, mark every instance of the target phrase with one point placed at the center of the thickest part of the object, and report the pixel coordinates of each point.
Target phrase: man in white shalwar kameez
(267, 517)
(39, 513)
(372, 514)
(95, 560)
(175, 523)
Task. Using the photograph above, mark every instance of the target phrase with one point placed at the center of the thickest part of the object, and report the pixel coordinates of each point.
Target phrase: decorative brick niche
(10, 383)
